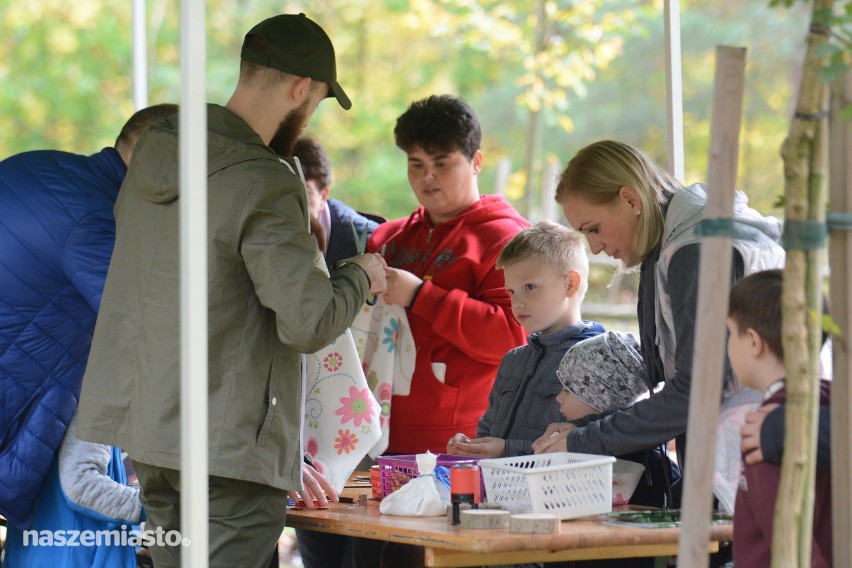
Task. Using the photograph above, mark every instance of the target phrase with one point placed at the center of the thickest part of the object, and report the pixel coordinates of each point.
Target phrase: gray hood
(687, 208)
(160, 180)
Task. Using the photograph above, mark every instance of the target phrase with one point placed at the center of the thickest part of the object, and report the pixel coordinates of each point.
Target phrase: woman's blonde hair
(600, 170)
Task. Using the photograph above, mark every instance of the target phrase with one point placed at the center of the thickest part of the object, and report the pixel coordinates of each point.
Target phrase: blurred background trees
(546, 77)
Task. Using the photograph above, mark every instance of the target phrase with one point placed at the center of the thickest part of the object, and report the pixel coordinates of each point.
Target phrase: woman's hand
(554, 439)
(750, 434)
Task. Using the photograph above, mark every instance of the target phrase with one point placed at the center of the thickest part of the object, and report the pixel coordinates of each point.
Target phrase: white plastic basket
(565, 484)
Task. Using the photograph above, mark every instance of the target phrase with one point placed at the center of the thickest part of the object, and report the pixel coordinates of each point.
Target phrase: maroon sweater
(755, 508)
(461, 318)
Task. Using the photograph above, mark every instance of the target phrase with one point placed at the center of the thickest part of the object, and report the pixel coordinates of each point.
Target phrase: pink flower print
(345, 442)
(356, 407)
(332, 361)
(312, 449)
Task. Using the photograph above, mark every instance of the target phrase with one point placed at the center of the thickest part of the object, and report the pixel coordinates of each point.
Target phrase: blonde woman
(630, 209)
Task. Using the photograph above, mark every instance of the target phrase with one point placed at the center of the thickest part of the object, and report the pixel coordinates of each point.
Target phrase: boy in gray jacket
(546, 272)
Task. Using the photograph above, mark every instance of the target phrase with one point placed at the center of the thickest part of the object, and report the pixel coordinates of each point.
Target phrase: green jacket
(267, 304)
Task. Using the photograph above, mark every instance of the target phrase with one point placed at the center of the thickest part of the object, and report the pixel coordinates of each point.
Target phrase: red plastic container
(376, 482)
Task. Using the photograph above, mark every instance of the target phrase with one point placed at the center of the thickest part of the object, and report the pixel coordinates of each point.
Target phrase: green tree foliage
(65, 69)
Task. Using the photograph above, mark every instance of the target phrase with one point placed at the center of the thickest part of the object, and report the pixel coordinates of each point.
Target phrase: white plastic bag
(423, 496)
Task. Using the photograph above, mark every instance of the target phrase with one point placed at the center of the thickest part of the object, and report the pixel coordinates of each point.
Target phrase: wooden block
(462, 507)
(534, 523)
(362, 499)
(485, 519)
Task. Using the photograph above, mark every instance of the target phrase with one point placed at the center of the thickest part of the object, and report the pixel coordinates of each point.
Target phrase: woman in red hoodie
(441, 268)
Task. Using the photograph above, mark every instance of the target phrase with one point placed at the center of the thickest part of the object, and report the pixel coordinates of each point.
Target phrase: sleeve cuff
(771, 432)
(416, 293)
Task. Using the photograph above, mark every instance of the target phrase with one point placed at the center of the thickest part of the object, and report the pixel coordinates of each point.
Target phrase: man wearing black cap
(267, 303)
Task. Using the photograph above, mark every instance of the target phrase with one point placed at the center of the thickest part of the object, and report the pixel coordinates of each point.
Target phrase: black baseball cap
(297, 45)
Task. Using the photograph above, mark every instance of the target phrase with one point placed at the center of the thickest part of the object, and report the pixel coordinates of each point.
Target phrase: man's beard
(284, 139)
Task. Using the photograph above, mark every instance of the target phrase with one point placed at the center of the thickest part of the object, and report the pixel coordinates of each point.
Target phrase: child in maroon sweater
(757, 358)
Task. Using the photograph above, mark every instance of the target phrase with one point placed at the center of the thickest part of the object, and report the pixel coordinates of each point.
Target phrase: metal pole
(140, 56)
(193, 285)
(674, 89)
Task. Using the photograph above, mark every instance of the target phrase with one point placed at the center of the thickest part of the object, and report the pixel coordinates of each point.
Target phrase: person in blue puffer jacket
(87, 514)
(56, 238)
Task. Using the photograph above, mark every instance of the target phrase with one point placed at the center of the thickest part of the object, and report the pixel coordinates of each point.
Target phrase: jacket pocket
(271, 399)
(14, 427)
(505, 403)
(541, 406)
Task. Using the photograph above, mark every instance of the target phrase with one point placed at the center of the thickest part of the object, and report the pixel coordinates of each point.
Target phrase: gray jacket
(523, 399)
(267, 300)
(672, 282)
(756, 240)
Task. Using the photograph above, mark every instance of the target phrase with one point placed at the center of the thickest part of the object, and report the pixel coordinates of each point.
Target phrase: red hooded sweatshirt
(461, 319)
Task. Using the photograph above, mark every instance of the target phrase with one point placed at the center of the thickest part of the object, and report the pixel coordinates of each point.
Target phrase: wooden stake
(840, 254)
(713, 286)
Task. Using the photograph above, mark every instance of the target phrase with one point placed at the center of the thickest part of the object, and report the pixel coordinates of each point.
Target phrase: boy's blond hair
(556, 245)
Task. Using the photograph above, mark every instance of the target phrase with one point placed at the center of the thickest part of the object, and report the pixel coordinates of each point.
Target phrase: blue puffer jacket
(56, 238)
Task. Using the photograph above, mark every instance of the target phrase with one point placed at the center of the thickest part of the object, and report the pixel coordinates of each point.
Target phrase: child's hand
(477, 448)
(402, 286)
(454, 441)
(554, 439)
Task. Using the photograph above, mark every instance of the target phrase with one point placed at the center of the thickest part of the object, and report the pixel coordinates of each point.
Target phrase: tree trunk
(805, 160)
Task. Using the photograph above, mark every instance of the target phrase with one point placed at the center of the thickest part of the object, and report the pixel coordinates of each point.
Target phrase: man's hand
(374, 265)
(750, 434)
(487, 447)
(317, 489)
(554, 439)
(402, 285)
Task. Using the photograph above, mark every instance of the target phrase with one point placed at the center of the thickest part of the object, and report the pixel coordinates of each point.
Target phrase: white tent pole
(140, 56)
(193, 284)
(674, 89)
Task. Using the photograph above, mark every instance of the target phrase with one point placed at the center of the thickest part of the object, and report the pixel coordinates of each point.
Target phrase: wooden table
(447, 545)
